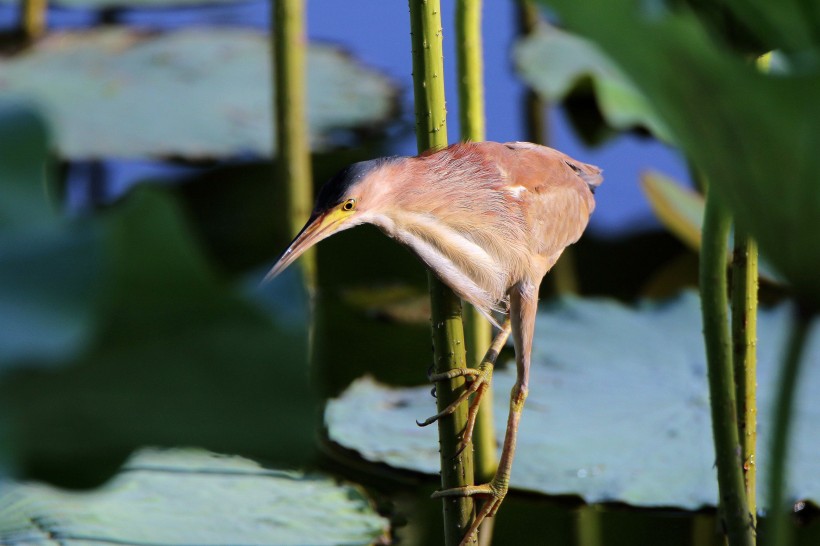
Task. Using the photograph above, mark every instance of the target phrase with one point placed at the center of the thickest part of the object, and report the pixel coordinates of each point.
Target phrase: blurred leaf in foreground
(47, 268)
(754, 135)
(183, 497)
(162, 352)
(623, 419)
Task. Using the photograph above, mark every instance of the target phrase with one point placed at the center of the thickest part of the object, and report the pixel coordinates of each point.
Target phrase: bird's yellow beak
(317, 228)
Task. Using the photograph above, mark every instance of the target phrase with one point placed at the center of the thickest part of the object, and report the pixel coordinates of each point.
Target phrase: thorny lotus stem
(562, 277)
(448, 333)
(33, 18)
(732, 503)
(778, 528)
(477, 331)
(292, 146)
(469, 52)
(744, 345)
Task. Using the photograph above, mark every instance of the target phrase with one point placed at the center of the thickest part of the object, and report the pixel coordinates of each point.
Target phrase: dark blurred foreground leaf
(618, 408)
(47, 269)
(161, 351)
(178, 359)
(184, 497)
(755, 136)
(196, 93)
(554, 62)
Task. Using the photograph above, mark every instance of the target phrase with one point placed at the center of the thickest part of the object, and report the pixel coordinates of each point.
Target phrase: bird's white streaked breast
(516, 191)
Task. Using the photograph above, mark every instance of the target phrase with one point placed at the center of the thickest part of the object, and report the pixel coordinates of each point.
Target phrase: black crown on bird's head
(338, 188)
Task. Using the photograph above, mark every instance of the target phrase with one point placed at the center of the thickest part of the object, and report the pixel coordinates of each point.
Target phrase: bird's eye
(349, 205)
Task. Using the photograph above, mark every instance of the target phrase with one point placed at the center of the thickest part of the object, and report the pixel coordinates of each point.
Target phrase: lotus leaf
(618, 408)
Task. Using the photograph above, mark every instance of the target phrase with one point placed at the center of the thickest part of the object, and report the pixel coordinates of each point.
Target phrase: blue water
(377, 33)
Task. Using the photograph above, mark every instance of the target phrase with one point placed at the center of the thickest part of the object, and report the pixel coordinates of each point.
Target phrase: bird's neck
(457, 260)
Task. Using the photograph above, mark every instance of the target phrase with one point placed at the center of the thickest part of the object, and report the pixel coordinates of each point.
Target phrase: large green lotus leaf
(791, 25)
(618, 408)
(24, 167)
(178, 357)
(553, 62)
(184, 497)
(755, 136)
(195, 93)
(47, 270)
(47, 285)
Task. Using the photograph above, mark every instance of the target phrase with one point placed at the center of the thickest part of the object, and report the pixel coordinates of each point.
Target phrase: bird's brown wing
(557, 191)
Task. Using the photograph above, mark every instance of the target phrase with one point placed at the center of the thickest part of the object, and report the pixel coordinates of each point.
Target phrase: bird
(489, 219)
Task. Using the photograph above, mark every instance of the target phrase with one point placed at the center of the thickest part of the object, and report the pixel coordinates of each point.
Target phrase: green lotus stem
(33, 18)
(744, 344)
(292, 144)
(779, 529)
(448, 332)
(477, 330)
(469, 52)
(714, 304)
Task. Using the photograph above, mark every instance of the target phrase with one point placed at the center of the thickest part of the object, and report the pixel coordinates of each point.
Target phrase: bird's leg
(523, 304)
(481, 378)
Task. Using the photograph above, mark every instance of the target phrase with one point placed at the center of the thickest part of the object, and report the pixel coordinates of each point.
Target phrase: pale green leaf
(184, 497)
(553, 62)
(195, 93)
(618, 408)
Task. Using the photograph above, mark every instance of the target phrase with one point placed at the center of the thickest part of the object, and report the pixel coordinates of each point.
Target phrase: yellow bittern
(490, 220)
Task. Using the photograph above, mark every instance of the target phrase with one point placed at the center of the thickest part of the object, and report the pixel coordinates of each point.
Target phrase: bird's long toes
(467, 373)
(482, 490)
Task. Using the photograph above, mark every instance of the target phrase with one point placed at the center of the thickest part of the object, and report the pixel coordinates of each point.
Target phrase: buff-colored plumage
(490, 220)
(498, 213)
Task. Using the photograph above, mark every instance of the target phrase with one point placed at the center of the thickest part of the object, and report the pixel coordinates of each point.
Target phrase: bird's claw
(482, 377)
(466, 373)
(493, 493)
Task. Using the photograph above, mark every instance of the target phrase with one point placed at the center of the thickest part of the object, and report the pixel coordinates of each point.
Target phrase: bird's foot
(480, 379)
(492, 493)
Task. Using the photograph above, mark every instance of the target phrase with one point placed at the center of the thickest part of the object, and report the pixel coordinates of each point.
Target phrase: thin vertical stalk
(448, 332)
(563, 276)
(588, 526)
(714, 303)
(779, 530)
(292, 146)
(744, 345)
(33, 18)
(477, 331)
(469, 51)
